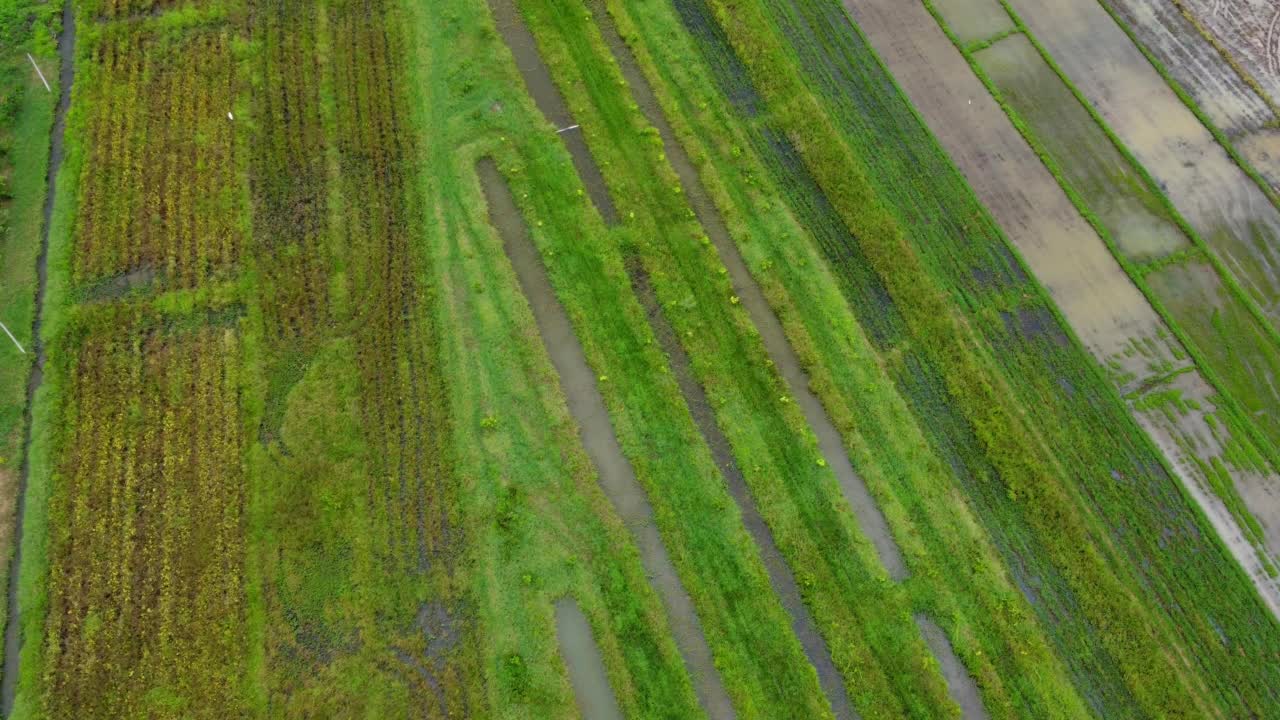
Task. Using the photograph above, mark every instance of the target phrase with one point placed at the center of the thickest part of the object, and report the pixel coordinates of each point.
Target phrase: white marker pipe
(565, 130)
(46, 84)
(14, 339)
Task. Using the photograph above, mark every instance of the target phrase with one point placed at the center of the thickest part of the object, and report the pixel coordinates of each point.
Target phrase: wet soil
(13, 628)
(962, 686)
(586, 667)
(616, 476)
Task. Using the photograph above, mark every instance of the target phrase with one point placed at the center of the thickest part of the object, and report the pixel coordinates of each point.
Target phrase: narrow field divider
(582, 657)
(13, 635)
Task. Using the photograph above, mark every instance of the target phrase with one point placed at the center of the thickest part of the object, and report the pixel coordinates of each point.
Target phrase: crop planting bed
(638, 358)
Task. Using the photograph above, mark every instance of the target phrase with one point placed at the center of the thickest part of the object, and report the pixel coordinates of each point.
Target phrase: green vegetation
(300, 451)
(958, 247)
(26, 114)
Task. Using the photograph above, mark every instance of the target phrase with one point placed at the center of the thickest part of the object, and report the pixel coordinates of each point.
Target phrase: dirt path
(13, 627)
(1106, 311)
(586, 667)
(616, 475)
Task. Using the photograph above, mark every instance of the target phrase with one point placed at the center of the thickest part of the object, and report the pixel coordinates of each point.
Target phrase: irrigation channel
(586, 668)
(617, 478)
(13, 624)
(552, 105)
(780, 576)
(775, 340)
(960, 683)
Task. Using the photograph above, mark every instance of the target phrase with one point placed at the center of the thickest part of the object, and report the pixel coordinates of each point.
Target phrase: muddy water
(974, 20)
(13, 628)
(775, 340)
(538, 81)
(586, 666)
(1217, 198)
(963, 689)
(780, 576)
(617, 478)
(1088, 158)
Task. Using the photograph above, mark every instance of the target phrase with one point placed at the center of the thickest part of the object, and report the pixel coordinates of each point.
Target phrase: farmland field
(636, 359)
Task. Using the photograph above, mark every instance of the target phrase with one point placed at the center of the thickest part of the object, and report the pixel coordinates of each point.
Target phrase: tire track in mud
(616, 476)
(13, 624)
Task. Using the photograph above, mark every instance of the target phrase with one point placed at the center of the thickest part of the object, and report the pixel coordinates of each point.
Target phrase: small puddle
(546, 96)
(13, 627)
(775, 339)
(586, 666)
(616, 476)
(963, 689)
(780, 576)
(119, 286)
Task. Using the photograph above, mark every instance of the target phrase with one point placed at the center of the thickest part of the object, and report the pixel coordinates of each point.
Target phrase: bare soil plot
(1248, 31)
(1218, 199)
(1231, 103)
(975, 20)
(1092, 290)
(1104, 308)
(1092, 164)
